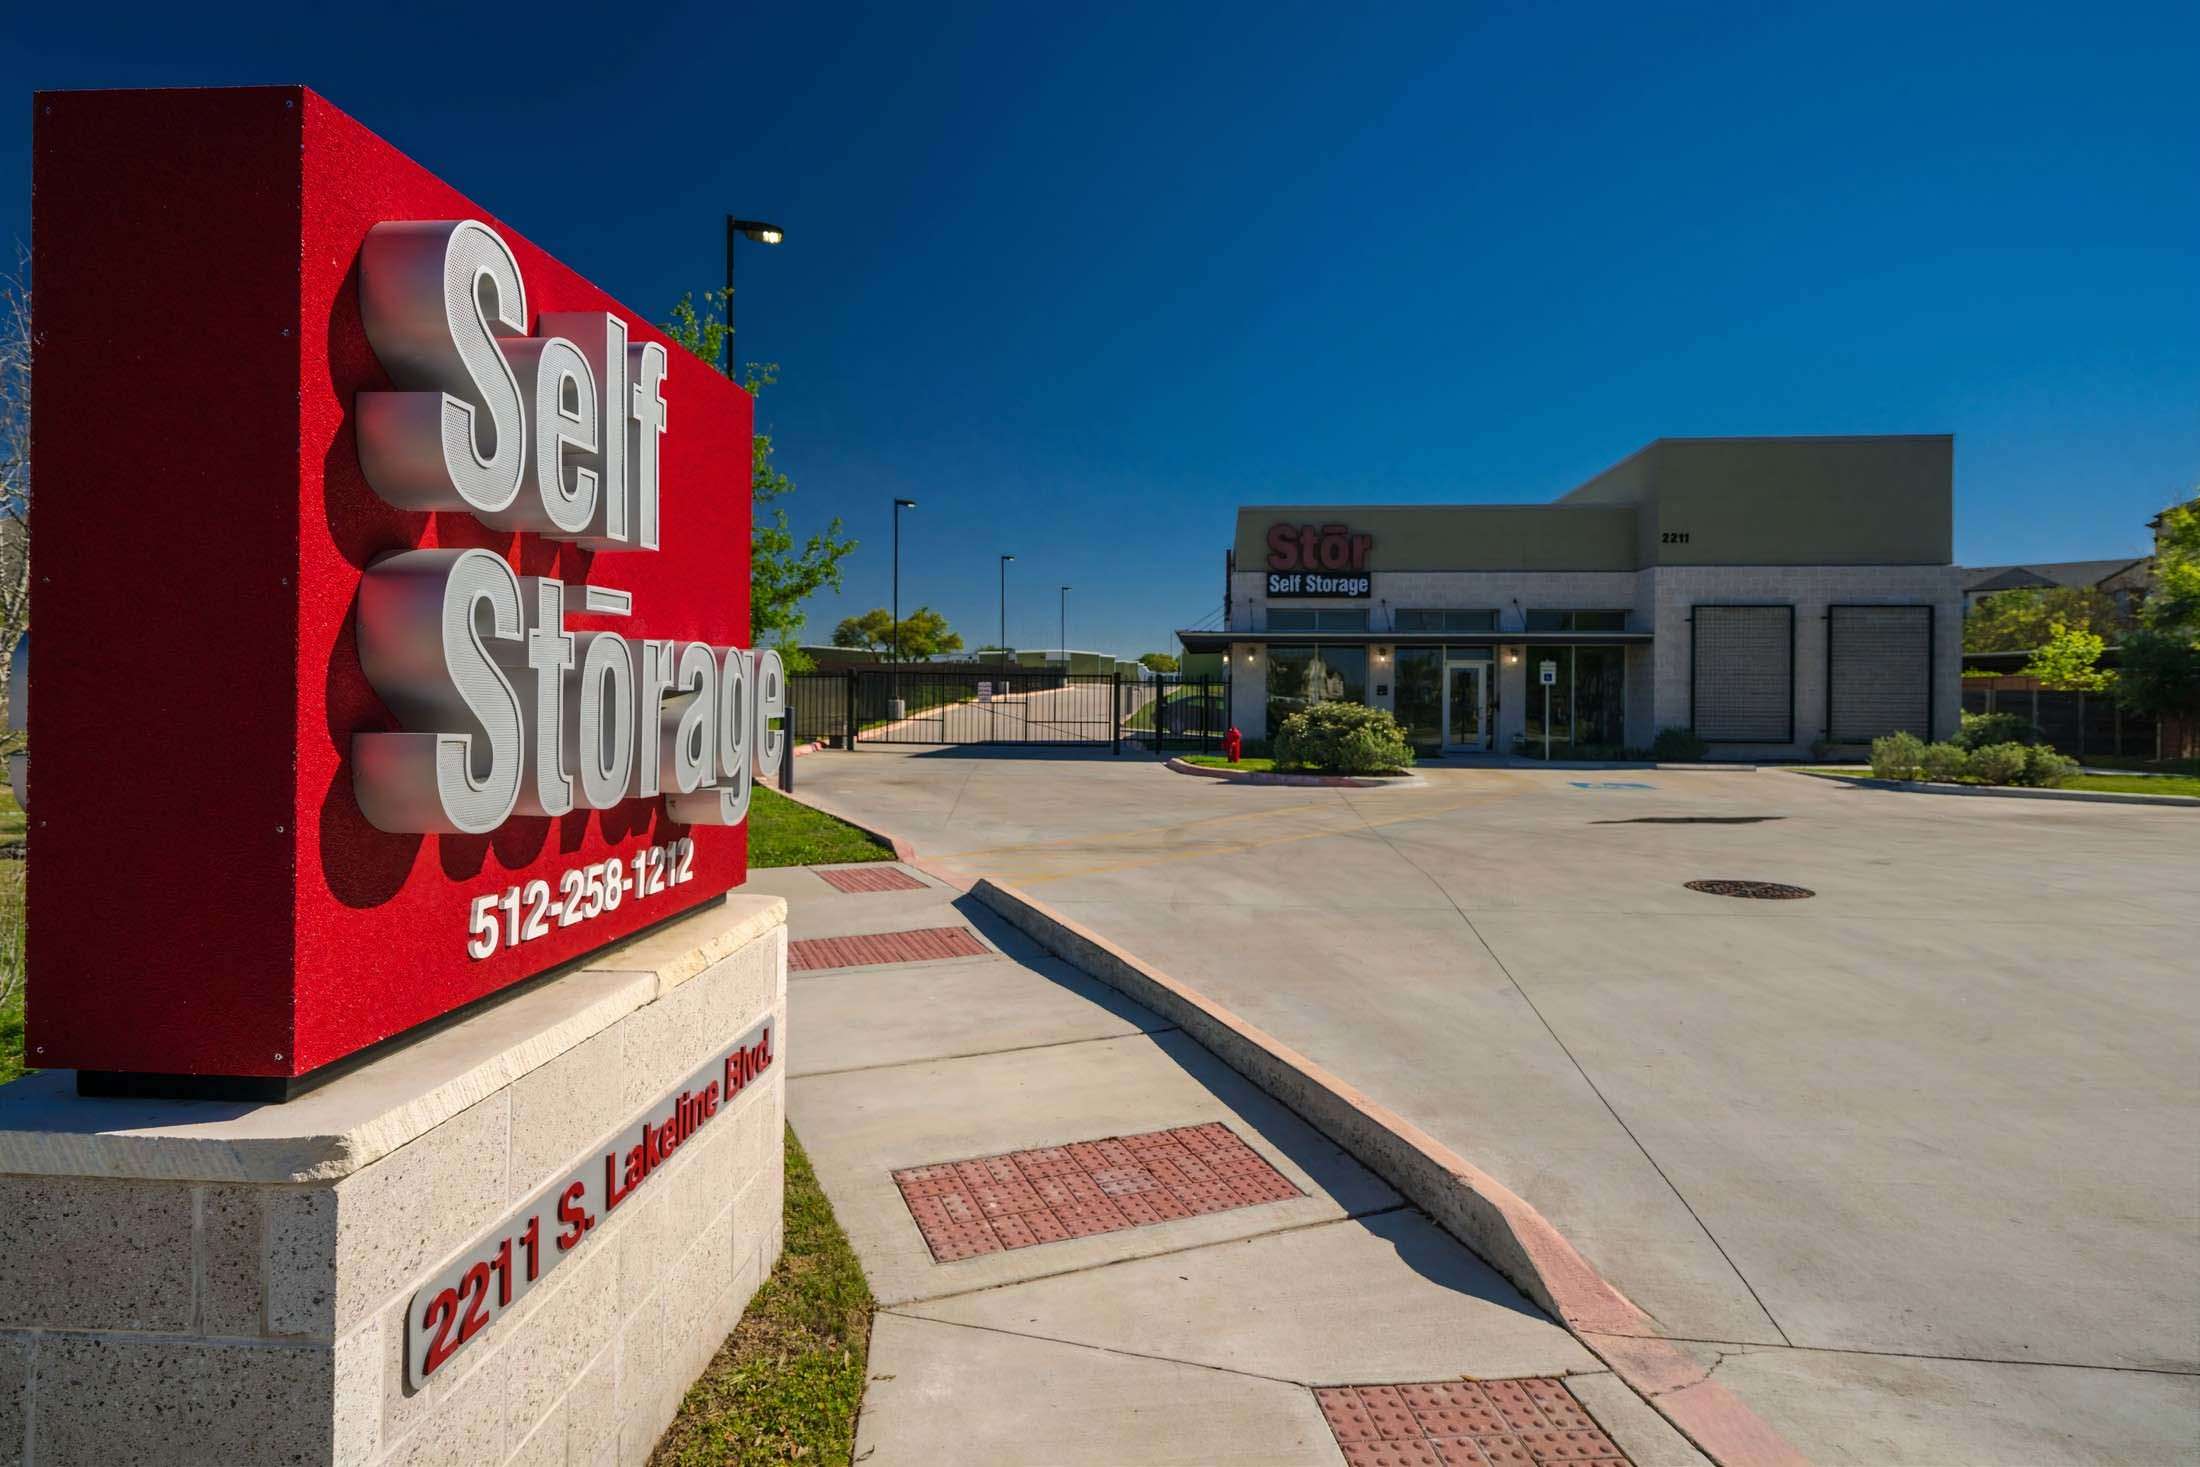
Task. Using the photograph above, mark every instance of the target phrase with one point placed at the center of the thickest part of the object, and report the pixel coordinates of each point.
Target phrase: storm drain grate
(964, 1208)
(1771, 891)
(1465, 1423)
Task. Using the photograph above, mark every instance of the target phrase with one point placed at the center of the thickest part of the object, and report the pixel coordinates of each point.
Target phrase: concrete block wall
(257, 1314)
(1810, 590)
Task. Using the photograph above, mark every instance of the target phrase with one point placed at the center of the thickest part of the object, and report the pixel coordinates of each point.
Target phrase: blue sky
(1081, 279)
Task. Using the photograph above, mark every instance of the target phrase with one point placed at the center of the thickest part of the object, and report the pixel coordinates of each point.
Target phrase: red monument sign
(436, 561)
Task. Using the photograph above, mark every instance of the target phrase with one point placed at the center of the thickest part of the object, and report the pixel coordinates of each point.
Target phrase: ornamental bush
(1945, 762)
(1342, 738)
(1981, 729)
(2046, 768)
(1897, 756)
(1998, 763)
(1678, 745)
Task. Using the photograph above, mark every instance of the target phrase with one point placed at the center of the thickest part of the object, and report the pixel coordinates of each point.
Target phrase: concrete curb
(2005, 791)
(1465, 1201)
(1324, 781)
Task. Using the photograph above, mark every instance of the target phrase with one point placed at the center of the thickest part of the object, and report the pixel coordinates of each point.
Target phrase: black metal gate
(931, 704)
(1177, 715)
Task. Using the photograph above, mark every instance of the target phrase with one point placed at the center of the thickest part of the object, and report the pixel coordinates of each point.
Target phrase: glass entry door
(1466, 710)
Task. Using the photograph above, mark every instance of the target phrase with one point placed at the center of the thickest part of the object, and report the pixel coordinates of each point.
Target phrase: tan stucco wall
(1410, 537)
(1884, 500)
(1801, 501)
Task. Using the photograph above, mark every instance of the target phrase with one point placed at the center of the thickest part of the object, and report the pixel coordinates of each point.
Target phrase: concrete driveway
(1913, 1159)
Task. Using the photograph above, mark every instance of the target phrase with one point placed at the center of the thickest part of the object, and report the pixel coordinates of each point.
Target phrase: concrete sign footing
(211, 1282)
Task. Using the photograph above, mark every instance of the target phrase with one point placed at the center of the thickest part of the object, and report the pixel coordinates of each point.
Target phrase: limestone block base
(190, 1282)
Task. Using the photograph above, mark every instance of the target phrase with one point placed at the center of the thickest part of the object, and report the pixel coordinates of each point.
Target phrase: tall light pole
(899, 506)
(1003, 644)
(762, 233)
(1065, 630)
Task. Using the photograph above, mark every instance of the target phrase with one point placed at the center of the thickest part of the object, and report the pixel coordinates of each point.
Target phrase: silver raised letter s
(435, 295)
(423, 619)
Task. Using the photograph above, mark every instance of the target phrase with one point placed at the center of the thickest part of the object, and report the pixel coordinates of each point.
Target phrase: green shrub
(1945, 762)
(1342, 738)
(2046, 768)
(1981, 729)
(1678, 745)
(1897, 756)
(1998, 763)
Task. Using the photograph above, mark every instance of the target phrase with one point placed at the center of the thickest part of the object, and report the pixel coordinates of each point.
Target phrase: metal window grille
(1879, 672)
(1743, 687)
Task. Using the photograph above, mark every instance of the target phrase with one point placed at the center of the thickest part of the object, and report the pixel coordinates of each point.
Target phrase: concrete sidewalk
(1197, 1339)
(1907, 1162)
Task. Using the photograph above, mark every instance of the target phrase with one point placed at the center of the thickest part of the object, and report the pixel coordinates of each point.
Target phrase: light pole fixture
(1003, 644)
(1065, 630)
(762, 233)
(899, 506)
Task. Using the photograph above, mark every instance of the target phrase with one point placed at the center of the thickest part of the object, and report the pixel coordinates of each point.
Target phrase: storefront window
(1410, 620)
(1307, 619)
(1344, 674)
(1299, 676)
(1600, 695)
(1588, 702)
(1289, 669)
(1577, 621)
(1420, 704)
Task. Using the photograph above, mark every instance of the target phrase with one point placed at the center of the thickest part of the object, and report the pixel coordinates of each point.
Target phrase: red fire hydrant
(1233, 745)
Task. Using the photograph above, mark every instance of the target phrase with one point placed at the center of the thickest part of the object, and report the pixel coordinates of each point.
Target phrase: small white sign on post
(985, 692)
(1547, 674)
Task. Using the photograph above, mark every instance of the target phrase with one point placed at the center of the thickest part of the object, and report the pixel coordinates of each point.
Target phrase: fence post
(1116, 696)
(786, 758)
(854, 719)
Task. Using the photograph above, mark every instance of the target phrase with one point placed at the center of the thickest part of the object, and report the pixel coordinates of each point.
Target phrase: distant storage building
(1767, 593)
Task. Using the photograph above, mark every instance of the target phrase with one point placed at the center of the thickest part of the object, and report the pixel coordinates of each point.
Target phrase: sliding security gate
(980, 705)
(1177, 715)
(930, 705)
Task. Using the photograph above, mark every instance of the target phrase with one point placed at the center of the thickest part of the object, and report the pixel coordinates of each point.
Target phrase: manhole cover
(1765, 890)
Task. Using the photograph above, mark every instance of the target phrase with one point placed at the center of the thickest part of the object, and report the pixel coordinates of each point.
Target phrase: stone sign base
(217, 1282)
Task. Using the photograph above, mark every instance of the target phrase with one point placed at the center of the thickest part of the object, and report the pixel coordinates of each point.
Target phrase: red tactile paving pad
(919, 945)
(1015, 1200)
(871, 878)
(1465, 1423)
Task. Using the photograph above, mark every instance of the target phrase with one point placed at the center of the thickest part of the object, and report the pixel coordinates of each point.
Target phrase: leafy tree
(2069, 661)
(924, 633)
(1159, 662)
(782, 573)
(15, 464)
(2160, 663)
(2019, 621)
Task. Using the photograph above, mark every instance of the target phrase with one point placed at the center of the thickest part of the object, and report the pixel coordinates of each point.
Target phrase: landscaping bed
(789, 1380)
(784, 832)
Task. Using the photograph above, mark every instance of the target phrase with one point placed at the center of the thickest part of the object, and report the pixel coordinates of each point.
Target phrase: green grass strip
(788, 1382)
(784, 832)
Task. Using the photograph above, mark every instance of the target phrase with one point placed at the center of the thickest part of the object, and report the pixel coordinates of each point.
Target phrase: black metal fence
(930, 704)
(2077, 724)
(1180, 715)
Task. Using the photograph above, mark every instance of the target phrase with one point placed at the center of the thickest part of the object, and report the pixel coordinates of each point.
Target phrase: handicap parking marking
(1610, 784)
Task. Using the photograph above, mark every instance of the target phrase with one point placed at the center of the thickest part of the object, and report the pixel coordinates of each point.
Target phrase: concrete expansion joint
(1121, 1354)
(983, 1053)
(1108, 1263)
